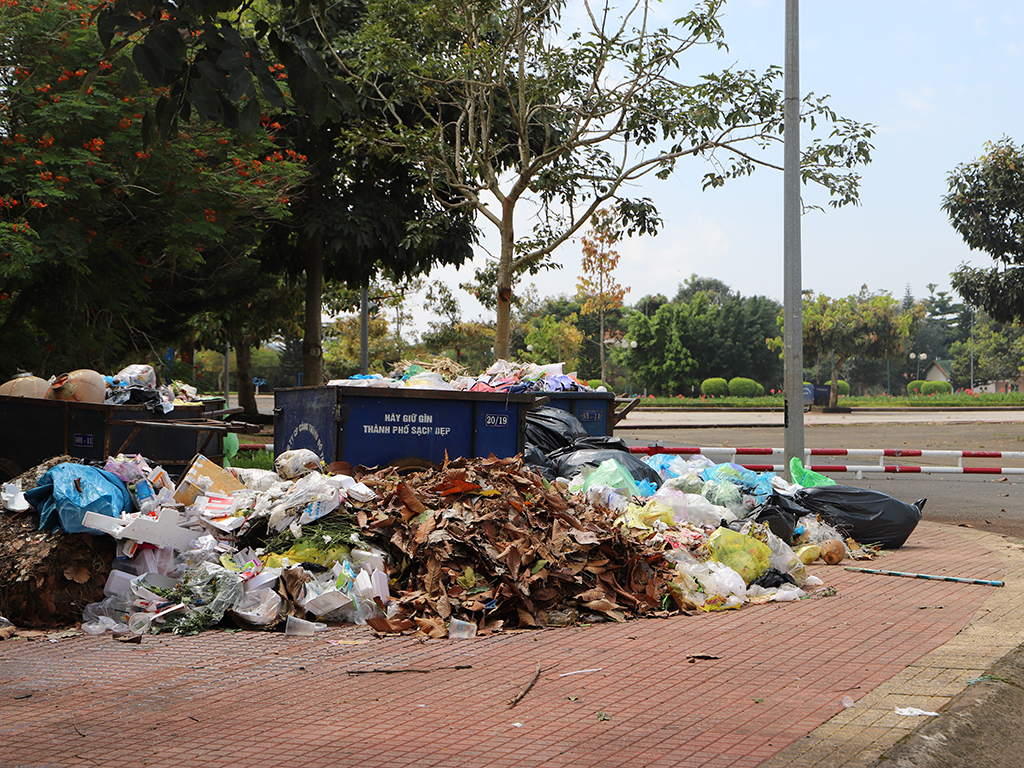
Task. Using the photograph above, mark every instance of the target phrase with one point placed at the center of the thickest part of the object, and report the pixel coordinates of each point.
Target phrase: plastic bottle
(607, 497)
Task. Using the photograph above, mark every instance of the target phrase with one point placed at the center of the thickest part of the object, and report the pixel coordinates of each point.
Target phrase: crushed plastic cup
(140, 623)
(461, 630)
(297, 627)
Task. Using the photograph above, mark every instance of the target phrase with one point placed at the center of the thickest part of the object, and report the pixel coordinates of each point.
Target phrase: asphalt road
(988, 502)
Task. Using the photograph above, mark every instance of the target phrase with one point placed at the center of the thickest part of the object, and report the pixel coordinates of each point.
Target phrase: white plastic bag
(294, 464)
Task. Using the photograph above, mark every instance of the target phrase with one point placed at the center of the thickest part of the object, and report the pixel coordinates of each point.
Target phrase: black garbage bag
(551, 428)
(870, 517)
(570, 462)
(772, 579)
(780, 513)
(535, 459)
(592, 442)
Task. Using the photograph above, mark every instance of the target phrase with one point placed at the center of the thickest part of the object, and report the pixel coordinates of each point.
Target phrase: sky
(938, 79)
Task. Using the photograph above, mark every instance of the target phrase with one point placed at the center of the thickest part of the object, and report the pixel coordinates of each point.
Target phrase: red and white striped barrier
(729, 454)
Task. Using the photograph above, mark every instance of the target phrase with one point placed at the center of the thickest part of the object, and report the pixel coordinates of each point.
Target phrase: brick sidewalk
(235, 698)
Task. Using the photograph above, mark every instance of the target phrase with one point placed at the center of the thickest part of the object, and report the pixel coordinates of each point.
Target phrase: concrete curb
(871, 734)
(980, 727)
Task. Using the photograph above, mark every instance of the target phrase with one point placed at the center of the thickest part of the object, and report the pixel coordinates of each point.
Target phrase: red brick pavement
(239, 698)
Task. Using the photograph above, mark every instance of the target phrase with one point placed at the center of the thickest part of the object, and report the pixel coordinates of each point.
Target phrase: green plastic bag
(746, 555)
(808, 478)
(609, 472)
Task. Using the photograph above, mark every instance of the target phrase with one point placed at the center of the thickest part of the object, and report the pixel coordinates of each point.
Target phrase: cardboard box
(203, 476)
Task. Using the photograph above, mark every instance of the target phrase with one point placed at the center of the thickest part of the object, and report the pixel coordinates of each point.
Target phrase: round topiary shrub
(714, 387)
(914, 387)
(936, 388)
(741, 387)
(844, 387)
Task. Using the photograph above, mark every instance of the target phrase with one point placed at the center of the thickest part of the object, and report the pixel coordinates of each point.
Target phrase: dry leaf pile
(484, 540)
(48, 577)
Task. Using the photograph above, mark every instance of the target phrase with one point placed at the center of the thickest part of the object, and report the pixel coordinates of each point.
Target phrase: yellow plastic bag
(744, 554)
(643, 518)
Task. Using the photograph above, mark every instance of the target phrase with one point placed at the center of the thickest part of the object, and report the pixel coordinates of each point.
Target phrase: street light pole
(793, 327)
(629, 355)
(919, 358)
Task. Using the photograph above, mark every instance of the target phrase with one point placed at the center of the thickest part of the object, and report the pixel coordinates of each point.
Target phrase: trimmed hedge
(914, 387)
(844, 387)
(741, 387)
(714, 387)
(936, 388)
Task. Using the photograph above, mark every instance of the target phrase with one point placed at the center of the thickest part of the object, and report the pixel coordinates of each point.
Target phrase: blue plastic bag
(67, 491)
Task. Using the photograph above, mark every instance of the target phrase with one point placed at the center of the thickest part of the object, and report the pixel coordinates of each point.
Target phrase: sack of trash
(552, 428)
(870, 517)
(569, 464)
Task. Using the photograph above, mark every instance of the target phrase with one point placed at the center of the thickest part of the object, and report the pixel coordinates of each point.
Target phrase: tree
(596, 286)
(513, 108)
(985, 204)
(997, 353)
(105, 247)
(717, 291)
(362, 209)
(868, 325)
(715, 333)
(554, 341)
(467, 342)
(363, 212)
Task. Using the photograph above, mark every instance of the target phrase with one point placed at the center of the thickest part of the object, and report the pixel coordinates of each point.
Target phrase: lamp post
(919, 357)
(629, 388)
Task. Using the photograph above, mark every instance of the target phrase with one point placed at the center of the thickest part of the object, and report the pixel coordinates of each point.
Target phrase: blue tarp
(67, 491)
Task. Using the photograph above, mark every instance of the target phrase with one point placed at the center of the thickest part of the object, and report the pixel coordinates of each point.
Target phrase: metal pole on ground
(793, 350)
(364, 330)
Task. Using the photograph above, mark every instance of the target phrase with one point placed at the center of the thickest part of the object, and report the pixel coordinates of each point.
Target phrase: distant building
(938, 370)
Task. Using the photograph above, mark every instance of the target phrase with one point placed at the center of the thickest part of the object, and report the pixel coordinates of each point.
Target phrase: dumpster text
(418, 424)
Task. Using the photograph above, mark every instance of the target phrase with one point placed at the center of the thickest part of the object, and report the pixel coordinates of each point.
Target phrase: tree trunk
(243, 364)
(601, 342)
(312, 339)
(503, 290)
(833, 393)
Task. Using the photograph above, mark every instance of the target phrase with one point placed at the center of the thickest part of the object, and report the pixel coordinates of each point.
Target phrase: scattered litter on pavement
(915, 712)
(581, 672)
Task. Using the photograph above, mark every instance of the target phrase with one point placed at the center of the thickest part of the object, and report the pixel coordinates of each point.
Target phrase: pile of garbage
(134, 384)
(502, 376)
(474, 545)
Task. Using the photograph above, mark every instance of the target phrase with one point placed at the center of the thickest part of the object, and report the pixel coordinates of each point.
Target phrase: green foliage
(716, 387)
(915, 386)
(984, 205)
(258, 459)
(713, 333)
(936, 388)
(868, 325)
(740, 387)
(997, 352)
(342, 347)
(554, 341)
(106, 246)
(844, 387)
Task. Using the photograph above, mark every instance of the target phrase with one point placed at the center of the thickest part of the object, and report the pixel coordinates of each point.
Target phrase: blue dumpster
(822, 393)
(595, 410)
(376, 426)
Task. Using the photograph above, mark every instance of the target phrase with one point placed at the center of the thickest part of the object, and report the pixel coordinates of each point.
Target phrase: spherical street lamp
(919, 357)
